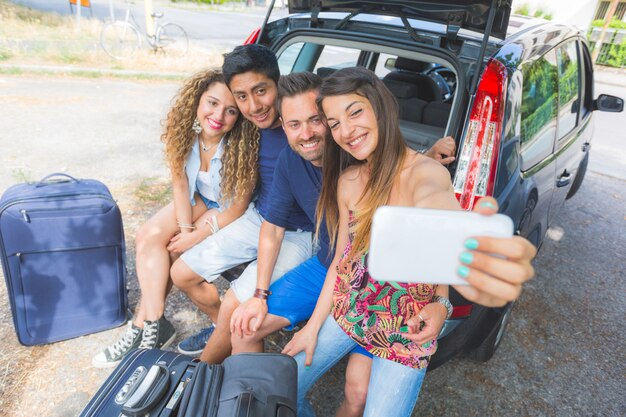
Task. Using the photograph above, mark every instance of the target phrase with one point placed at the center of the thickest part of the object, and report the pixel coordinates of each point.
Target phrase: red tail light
(478, 160)
(252, 37)
(461, 311)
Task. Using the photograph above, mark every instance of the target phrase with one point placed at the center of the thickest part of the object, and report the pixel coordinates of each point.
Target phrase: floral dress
(375, 314)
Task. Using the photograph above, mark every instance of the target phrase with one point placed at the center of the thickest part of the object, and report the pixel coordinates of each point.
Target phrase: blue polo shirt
(272, 143)
(297, 186)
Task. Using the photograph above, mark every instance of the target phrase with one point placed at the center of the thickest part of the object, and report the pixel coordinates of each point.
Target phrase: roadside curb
(87, 71)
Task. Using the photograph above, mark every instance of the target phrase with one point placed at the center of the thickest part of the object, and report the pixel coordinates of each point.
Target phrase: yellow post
(607, 21)
(149, 19)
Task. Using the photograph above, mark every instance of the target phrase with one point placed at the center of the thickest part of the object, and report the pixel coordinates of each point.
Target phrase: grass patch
(22, 175)
(153, 191)
(4, 55)
(31, 37)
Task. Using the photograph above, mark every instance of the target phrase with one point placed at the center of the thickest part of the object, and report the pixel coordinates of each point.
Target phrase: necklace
(207, 149)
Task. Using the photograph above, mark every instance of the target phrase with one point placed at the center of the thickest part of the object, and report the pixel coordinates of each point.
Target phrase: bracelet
(262, 294)
(445, 302)
(186, 226)
(212, 222)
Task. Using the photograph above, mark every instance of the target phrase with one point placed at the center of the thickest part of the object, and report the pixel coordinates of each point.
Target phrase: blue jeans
(393, 388)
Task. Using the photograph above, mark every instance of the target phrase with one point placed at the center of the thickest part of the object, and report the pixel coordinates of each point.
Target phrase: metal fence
(613, 49)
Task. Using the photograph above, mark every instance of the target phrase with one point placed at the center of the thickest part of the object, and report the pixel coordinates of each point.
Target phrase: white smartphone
(416, 245)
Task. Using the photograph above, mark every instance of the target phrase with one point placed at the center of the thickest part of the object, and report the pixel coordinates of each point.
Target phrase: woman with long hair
(212, 153)
(367, 165)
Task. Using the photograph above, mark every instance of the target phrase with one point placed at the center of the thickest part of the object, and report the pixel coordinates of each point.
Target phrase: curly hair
(239, 162)
(241, 144)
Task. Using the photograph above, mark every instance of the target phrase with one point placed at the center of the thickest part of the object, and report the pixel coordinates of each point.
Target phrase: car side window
(569, 76)
(289, 56)
(333, 58)
(385, 64)
(539, 109)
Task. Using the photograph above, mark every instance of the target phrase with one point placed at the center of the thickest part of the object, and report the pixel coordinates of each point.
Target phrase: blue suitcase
(63, 257)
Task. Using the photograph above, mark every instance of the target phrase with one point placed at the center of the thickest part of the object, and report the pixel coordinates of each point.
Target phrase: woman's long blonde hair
(385, 164)
(241, 144)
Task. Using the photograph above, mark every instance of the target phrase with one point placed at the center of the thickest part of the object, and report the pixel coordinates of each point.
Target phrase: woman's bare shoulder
(428, 182)
(422, 168)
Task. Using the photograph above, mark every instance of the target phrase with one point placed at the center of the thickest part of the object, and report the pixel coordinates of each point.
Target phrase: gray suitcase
(166, 384)
(245, 385)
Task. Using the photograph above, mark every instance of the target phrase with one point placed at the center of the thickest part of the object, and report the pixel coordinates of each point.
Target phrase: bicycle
(121, 39)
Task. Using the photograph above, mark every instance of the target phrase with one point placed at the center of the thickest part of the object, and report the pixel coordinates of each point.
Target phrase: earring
(196, 126)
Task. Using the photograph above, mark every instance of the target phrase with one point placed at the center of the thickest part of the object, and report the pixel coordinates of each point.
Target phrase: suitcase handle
(244, 402)
(46, 180)
(149, 393)
(280, 406)
(276, 406)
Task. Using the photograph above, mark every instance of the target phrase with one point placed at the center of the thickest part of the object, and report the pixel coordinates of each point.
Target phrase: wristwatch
(443, 301)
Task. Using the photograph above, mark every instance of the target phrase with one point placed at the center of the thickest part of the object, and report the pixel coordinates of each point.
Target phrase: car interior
(424, 90)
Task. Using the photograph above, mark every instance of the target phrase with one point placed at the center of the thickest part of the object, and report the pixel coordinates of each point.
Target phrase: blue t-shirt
(297, 186)
(273, 141)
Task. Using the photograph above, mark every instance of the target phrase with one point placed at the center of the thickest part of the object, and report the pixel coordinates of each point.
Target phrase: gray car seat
(407, 70)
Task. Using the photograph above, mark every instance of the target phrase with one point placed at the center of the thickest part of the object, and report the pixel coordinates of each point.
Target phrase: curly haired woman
(212, 154)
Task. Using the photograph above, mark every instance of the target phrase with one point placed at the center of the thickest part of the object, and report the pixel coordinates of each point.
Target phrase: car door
(570, 145)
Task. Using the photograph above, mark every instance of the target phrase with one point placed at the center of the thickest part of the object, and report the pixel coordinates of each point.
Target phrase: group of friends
(286, 172)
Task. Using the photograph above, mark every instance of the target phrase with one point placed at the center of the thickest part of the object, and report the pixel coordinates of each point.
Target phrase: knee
(356, 394)
(182, 276)
(147, 235)
(212, 296)
(230, 302)
(245, 340)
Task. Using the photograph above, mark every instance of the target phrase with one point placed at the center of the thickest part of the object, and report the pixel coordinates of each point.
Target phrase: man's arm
(282, 203)
(249, 315)
(443, 150)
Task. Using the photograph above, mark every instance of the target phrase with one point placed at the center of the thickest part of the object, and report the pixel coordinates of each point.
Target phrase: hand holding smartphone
(416, 245)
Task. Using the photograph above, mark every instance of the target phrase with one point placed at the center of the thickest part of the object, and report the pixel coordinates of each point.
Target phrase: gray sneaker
(157, 334)
(113, 354)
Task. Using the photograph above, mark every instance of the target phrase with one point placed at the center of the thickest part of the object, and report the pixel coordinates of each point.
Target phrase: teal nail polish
(487, 204)
(306, 368)
(471, 243)
(463, 271)
(467, 258)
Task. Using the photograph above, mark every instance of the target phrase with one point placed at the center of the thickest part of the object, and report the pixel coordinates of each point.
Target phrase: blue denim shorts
(210, 204)
(295, 294)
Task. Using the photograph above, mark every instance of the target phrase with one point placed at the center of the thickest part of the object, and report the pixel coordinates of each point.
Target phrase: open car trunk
(423, 81)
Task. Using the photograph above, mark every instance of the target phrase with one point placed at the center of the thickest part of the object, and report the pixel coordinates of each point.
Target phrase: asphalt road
(211, 28)
(563, 354)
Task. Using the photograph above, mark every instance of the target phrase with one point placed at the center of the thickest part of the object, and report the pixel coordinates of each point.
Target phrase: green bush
(522, 9)
(614, 24)
(613, 55)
